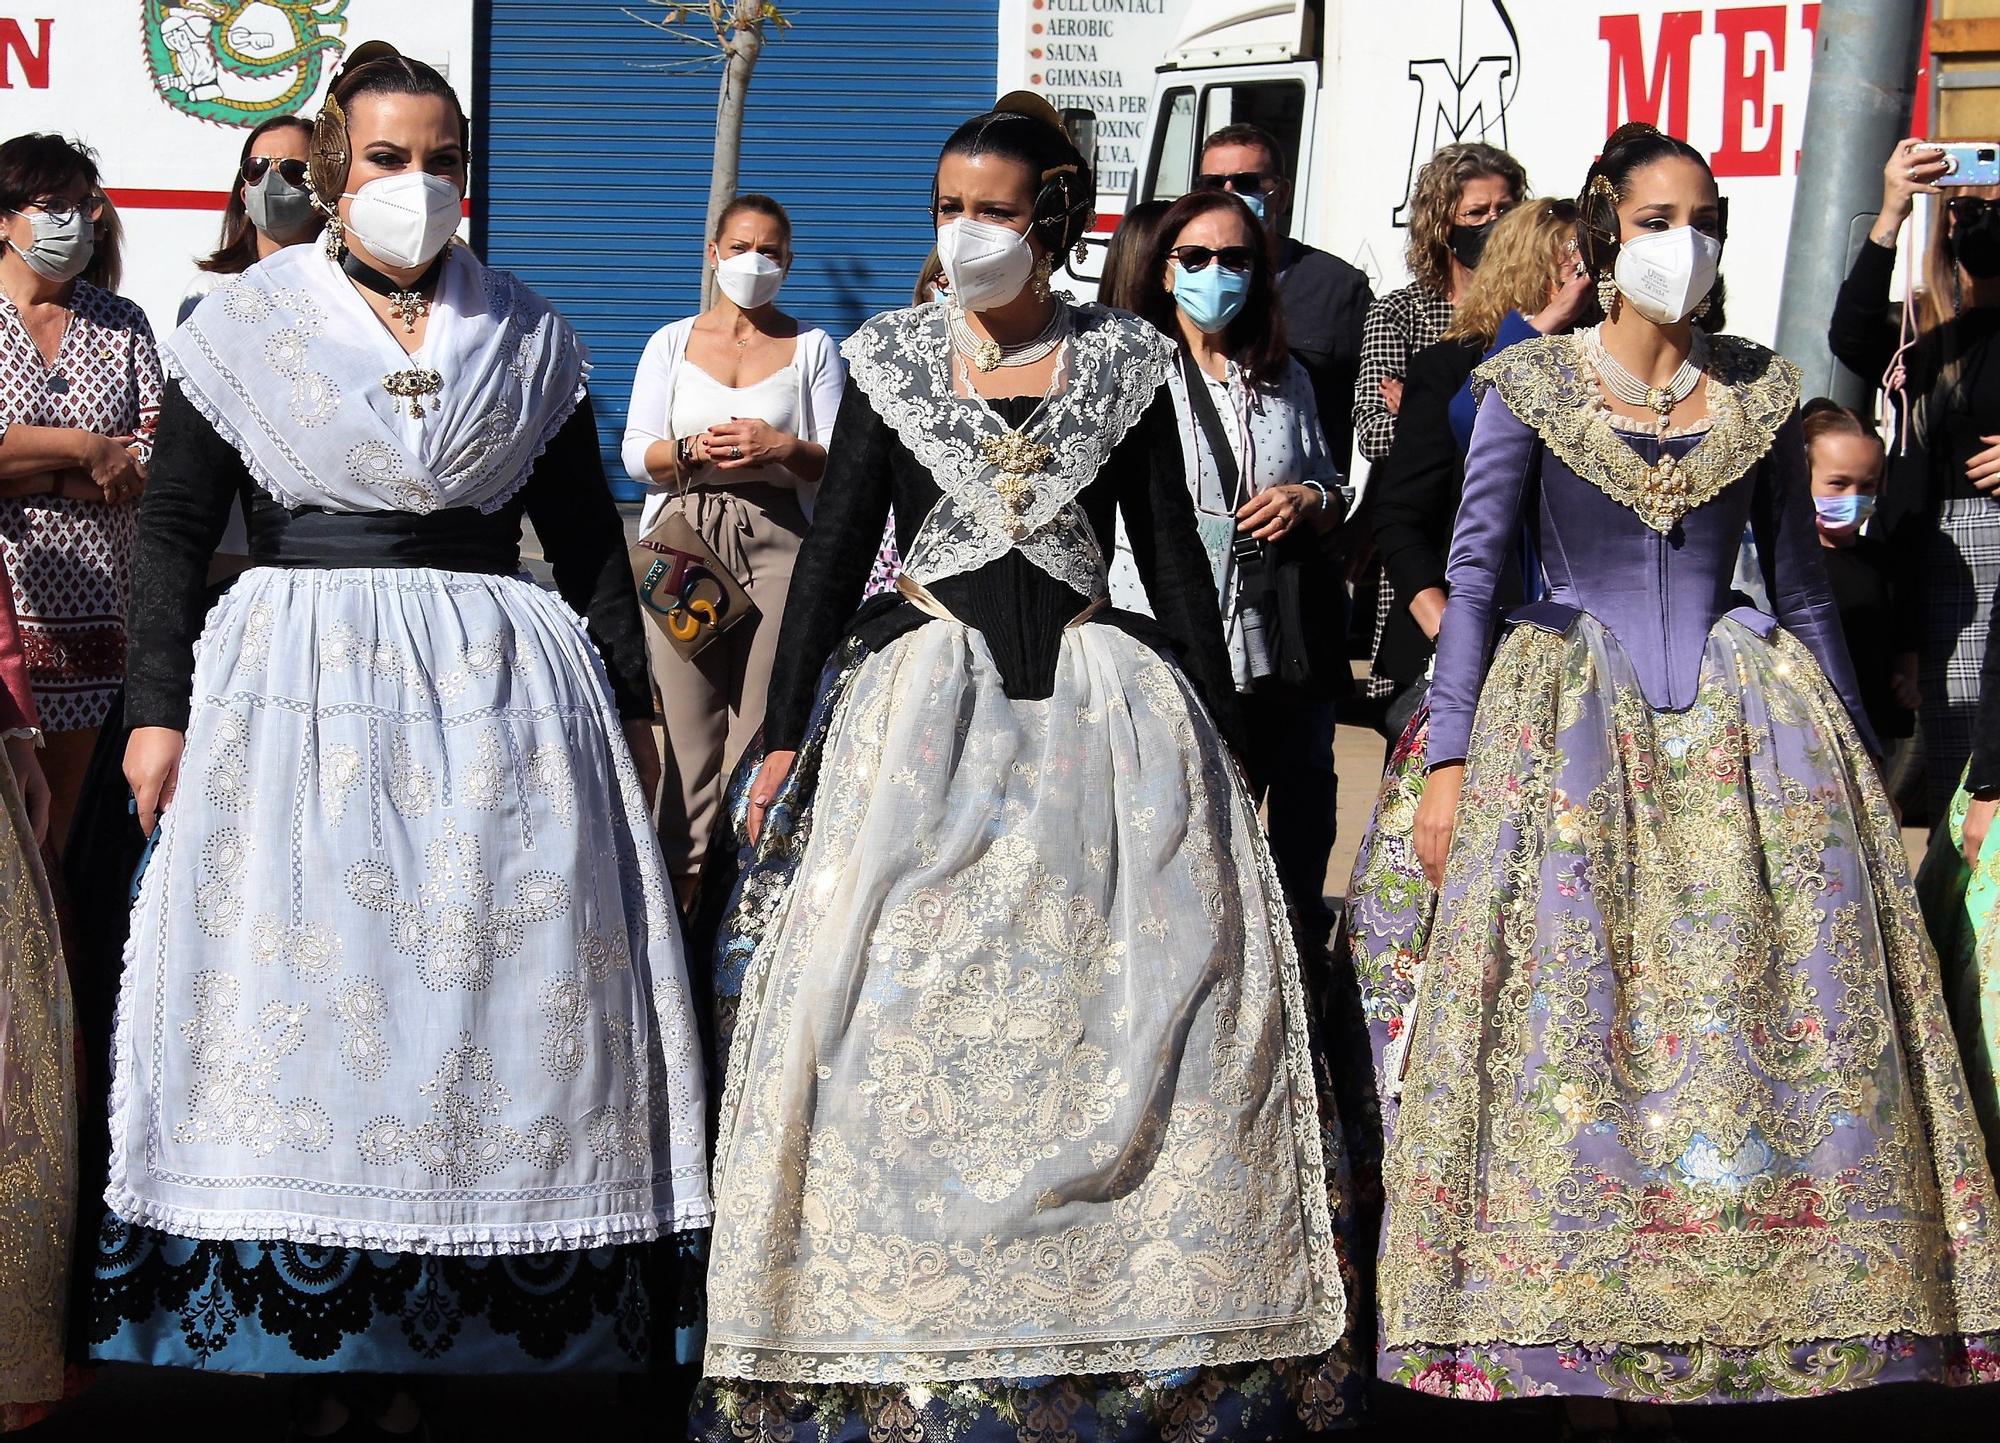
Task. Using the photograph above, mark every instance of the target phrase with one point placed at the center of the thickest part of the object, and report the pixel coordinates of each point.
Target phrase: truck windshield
(1186, 118)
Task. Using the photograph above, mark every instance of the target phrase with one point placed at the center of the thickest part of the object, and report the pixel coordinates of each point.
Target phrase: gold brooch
(1017, 460)
(412, 386)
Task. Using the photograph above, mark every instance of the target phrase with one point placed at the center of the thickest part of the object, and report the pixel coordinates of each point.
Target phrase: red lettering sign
(1746, 70)
(33, 59)
(1631, 92)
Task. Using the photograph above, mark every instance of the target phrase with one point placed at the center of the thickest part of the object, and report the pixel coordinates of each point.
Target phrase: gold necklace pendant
(987, 355)
(411, 387)
(408, 306)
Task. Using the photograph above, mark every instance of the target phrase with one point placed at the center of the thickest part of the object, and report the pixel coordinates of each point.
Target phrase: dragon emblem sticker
(241, 62)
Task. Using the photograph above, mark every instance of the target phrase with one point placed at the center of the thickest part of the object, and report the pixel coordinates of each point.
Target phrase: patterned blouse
(70, 561)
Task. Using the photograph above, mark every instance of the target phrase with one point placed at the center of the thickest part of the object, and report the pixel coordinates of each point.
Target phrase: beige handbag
(685, 588)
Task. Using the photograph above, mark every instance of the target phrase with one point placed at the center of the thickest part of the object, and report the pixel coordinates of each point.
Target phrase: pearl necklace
(1635, 392)
(1665, 490)
(990, 355)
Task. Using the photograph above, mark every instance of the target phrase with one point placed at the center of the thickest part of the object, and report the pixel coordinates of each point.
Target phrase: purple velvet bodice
(1659, 592)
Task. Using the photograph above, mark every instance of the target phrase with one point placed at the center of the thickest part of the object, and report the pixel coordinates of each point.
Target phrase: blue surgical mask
(1254, 199)
(1840, 512)
(1211, 297)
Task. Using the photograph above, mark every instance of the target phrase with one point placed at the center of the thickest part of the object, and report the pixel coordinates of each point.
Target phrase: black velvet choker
(408, 302)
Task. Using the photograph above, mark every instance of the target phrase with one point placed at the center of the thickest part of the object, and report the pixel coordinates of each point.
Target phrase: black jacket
(1413, 499)
(1324, 300)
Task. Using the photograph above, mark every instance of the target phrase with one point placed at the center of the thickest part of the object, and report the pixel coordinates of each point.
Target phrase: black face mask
(1975, 239)
(1468, 243)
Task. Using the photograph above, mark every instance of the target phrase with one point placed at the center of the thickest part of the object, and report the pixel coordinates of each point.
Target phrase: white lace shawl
(1113, 366)
(287, 361)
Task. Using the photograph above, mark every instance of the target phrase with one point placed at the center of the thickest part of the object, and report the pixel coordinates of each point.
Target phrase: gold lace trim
(1681, 1039)
(1547, 382)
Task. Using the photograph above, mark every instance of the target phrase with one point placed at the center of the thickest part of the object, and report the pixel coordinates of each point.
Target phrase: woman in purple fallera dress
(1682, 1120)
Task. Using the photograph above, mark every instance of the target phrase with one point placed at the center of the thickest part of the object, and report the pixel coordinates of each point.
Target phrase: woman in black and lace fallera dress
(1021, 1128)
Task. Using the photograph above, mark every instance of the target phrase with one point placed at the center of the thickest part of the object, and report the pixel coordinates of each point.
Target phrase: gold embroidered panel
(1681, 1065)
(1549, 383)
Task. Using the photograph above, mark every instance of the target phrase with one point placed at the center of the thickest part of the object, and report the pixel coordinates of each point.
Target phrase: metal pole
(1863, 82)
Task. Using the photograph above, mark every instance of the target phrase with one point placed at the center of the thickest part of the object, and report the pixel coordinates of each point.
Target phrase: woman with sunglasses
(1259, 470)
(79, 394)
(1681, 1116)
(270, 206)
(1021, 1135)
(1940, 514)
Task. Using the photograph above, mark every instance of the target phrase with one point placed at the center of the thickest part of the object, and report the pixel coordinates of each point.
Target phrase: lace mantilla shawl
(1549, 384)
(1007, 490)
(287, 363)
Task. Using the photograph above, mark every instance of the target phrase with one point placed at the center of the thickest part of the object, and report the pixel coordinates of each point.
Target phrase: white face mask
(60, 249)
(986, 264)
(404, 220)
(1665, 274)
(751, 279)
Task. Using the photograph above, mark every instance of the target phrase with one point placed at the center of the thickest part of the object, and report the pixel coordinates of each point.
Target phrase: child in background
(1846, 460)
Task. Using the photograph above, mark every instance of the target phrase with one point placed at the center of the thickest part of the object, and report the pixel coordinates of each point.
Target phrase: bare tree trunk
(746, 42)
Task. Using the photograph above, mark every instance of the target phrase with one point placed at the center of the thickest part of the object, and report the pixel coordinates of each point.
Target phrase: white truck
(1362, 91)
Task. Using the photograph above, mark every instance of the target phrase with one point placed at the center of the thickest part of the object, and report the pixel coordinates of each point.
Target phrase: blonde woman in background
(731, 412)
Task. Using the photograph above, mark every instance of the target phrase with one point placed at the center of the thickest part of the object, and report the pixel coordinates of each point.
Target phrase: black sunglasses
(1968, 208)
(1231, 258)
(256, 167)
(1239, 181)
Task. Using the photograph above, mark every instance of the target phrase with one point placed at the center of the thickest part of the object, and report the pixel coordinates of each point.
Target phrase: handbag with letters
(684, 587)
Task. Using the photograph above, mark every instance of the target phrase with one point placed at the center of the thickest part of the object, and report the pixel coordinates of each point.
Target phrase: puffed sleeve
(832, 568)
(1158, 507)
(647, 417)
(1781, 518)
(195, 478)
(569, 502)
(826, 377)
(17, 698)
(1497, 471)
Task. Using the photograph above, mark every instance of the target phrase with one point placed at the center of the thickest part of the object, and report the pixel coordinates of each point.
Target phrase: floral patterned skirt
(1684, 1119)
(852, 742)
(1389, 909)
(37, 1123)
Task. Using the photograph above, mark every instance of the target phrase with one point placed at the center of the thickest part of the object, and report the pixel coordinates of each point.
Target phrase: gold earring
(1039, 287)
(1081, 252)
(335, 239)
(1607, 294)
(1701, 308)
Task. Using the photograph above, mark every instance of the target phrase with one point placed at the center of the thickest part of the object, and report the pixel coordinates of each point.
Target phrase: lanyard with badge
(1219, 536)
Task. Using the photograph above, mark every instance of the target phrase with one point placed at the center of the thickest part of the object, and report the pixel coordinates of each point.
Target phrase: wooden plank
(1979, 36)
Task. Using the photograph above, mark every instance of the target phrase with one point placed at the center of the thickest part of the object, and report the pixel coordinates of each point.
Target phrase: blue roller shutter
(594, 168)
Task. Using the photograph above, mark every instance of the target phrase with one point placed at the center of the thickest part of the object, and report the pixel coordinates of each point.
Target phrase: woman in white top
(1211, 286)
(731, 411)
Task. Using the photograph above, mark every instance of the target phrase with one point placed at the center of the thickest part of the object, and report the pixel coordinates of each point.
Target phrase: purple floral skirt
(1683, 1120)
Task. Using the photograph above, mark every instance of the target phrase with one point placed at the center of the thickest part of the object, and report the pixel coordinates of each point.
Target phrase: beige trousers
(715, 704)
